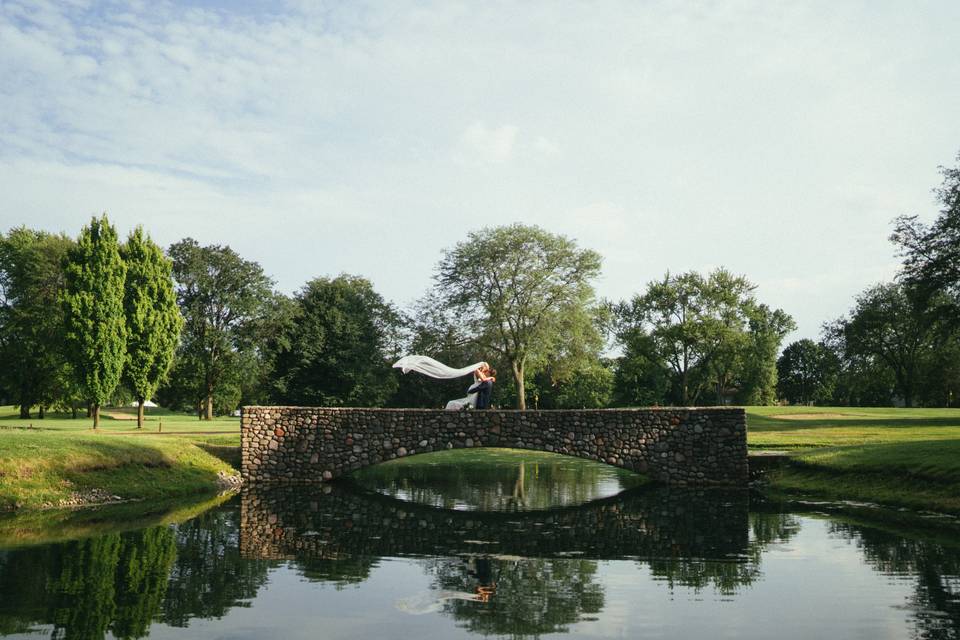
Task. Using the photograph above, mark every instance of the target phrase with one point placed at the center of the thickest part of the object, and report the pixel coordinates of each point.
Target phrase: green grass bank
(899, 457)
(60, 462)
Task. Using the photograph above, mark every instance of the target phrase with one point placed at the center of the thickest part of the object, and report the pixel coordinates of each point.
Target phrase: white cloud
(777, 142)
(483, 144)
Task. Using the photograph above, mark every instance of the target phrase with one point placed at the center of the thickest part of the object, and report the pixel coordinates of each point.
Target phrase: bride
(430, 367)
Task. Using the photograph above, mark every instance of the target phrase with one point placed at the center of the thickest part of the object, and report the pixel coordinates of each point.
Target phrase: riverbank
(50, 469)
(896, 457)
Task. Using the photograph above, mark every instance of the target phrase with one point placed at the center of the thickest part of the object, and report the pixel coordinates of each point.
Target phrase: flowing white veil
(435, 369)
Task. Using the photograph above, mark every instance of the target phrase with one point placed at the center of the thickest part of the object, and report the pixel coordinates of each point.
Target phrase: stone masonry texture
(674, 446)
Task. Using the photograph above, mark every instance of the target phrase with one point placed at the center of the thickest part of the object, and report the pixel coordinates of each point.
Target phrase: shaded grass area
(902, 457)
(50, 468)
(123, 420)
(32, 527)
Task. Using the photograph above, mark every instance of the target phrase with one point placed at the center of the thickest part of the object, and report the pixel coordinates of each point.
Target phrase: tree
(766, 329)
(517, 289)
(223, 299)
(932, 253)
(31, 318)
(95, 327)
(688, 334)
(893, 324)
(806, 372)
(335, 351)
(691, 323)
(153, 319)
(641, 378)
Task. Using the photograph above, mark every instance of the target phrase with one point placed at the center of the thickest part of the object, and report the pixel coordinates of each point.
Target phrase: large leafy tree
(932, 252)
(31, 318)
(806, 372)
(153, 319)
(693, 325)
(95, 326)
(224, 300)
(894, 325)
(335, 350)
(518, 290)
(689, 334)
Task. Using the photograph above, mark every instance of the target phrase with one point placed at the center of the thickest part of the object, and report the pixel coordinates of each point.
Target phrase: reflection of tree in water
(726, 575)
(518, 597)
(209, 577)
(512, 480)
(84, 588)
(339, 572)
(935, 604)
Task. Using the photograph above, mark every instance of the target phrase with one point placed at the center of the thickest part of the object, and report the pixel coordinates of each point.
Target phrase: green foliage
(692, 335)
(758, 373)
(153, 319)
(807, 372)
(932, 253)
(890, 327)
(588, 385)
(641, 377)
(95, 327)
(519, 292)
(336, 347)
(225, 302)
(34, 371)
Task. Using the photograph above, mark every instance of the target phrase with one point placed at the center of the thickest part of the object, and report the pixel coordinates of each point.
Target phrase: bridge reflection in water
(340, 520)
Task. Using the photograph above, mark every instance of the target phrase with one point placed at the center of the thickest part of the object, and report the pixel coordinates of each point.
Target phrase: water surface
(473, 553)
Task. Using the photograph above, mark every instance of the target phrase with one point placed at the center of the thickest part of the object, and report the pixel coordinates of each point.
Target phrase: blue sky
(776, 139)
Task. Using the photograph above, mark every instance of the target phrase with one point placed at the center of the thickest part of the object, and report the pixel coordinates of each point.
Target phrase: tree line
(199, 328)
(900, 342)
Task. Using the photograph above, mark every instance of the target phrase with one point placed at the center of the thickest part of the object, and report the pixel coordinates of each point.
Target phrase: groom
(485, 379)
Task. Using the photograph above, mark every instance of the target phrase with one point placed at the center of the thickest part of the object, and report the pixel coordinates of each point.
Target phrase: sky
(776, 139)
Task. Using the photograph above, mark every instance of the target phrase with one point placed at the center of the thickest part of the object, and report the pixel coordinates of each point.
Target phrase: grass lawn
(50, 468)
(124, 421)
(906, 457)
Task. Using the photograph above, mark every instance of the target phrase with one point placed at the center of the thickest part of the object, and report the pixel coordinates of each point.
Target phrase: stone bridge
(676, 446)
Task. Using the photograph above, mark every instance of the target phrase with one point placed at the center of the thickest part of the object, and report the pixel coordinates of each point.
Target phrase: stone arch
(678, 446)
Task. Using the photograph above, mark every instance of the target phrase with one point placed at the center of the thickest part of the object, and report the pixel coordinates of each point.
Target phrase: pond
(494, 543)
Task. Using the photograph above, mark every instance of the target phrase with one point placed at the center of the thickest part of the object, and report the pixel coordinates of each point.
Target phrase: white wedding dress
(435, 369)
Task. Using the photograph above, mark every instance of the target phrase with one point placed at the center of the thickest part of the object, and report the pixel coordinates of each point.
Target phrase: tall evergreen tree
(153, 319)
(95, 327)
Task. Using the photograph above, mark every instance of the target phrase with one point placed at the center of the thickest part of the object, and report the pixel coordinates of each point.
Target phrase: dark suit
(484, 389)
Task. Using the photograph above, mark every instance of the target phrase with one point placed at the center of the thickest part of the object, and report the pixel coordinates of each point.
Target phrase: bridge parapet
(676, 446)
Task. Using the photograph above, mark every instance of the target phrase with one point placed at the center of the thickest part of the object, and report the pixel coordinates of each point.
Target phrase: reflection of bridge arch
(678, 446)
(337, 520)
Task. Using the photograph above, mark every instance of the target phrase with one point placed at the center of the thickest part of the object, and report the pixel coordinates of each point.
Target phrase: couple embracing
(478, 395)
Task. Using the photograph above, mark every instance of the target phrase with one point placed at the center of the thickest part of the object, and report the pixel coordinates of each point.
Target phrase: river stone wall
(677, 446)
